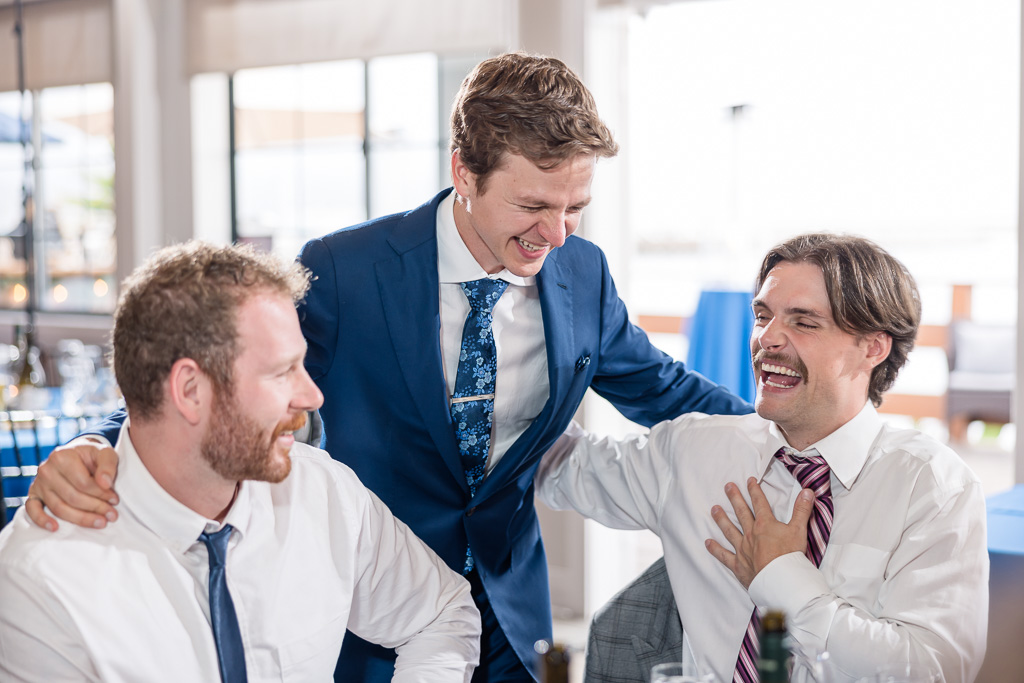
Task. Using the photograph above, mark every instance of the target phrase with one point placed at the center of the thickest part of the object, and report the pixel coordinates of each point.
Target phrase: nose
(770, 337)
(554, 226)
(307, 394)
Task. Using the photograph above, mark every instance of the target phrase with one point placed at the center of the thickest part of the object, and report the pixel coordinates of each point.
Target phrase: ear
(877, 346)
(189, 390)
(463, 179)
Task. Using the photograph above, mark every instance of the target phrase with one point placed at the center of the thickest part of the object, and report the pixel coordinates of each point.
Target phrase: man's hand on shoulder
(76, 484)
(761, 537)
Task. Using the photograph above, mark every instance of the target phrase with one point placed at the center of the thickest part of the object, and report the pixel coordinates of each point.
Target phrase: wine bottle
(30, 370)
(28, 374)
(773, 662)
(552, 662)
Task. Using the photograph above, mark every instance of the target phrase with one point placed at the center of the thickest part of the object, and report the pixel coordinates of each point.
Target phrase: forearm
(642, 382)
(447, 649)
(407, 598)
(619, 483)
(105, 431)
(940, 629)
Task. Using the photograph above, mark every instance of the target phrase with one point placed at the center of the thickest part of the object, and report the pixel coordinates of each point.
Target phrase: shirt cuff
(794, 585)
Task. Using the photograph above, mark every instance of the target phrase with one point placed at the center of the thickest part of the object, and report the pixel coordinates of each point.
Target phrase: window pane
(299, 159)
(403, 98)
(402, 177)
(778, 121)
(74, 225)
(12, 161)
(404, 140)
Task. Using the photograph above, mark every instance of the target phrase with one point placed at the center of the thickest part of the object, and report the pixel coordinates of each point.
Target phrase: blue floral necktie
(472, 404)
(226, 634)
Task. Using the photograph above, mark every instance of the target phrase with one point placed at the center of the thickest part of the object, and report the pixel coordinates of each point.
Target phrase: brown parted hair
(868, 291)
(183, 303)
(529, 105)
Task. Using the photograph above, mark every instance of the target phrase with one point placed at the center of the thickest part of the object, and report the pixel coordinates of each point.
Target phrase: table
(1006, 522)
(1004, 659)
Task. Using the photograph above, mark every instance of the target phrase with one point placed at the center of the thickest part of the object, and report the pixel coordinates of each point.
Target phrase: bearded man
(240, 555)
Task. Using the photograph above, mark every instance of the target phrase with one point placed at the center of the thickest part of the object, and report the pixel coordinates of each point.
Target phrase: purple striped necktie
(813, 473)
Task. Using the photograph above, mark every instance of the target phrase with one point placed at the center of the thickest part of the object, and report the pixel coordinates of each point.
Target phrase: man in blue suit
(384, 320)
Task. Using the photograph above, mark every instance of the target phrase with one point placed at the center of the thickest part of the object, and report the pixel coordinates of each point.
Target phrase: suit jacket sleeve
(643, 383)
(109, 428)
(318, 313)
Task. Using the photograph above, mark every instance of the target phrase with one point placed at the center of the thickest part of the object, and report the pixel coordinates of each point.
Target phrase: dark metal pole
(28, 174)
(368, 145)
(232, 160)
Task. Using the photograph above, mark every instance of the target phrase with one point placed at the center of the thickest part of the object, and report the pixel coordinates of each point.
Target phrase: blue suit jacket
(372, 323)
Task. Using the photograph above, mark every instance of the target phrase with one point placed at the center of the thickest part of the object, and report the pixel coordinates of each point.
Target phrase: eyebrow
(289, 362)
(809, 312)
(531, 201)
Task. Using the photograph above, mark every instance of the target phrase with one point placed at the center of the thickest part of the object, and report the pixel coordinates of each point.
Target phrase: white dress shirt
(905, 574)
(309, 557)
(521, 385)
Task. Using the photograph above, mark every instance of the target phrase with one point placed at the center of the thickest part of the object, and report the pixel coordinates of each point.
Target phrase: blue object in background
(24, 444)
(720, 340)
(1006, 522)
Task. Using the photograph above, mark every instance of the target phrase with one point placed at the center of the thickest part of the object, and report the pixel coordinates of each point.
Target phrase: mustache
(298, 421)
(762, 356)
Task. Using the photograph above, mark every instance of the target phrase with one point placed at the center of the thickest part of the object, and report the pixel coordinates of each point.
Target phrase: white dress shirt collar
(454, 261)
(846, 450)
(178, 525)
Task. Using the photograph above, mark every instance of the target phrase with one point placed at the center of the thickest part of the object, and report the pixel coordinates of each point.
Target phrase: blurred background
(132, 124)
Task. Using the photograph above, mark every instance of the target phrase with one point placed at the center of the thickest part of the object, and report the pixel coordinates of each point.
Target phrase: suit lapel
(408, 285)
(555, 287)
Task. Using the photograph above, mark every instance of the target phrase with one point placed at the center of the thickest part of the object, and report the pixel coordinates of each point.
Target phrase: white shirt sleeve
(38, 639)
(406, 598)
(620, 483)
(932, 595)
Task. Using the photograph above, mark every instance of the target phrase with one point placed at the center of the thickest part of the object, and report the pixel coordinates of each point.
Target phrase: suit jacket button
(470, 511)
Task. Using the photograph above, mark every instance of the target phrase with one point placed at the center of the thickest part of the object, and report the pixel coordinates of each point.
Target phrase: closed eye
(290, 370)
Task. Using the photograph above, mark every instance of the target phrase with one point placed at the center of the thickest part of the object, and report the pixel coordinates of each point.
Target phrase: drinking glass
(677, 672)
(813, 667)
(906, 673)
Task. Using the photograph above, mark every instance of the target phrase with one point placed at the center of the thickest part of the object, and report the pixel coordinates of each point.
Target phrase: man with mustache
(239, 554)
(870, 538)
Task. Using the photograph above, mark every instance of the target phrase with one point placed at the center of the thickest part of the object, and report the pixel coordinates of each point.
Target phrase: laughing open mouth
(779, 376)
(527, 246)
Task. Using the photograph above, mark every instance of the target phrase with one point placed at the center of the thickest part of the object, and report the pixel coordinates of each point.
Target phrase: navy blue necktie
(226, 634)
(472, 403)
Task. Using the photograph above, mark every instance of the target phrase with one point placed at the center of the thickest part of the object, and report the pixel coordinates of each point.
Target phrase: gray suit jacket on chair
(635, 630)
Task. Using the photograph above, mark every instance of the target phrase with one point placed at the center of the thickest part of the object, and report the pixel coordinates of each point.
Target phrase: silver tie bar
(471, 398)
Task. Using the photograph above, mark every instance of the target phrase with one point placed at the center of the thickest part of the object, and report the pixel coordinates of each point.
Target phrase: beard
(237, 448)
